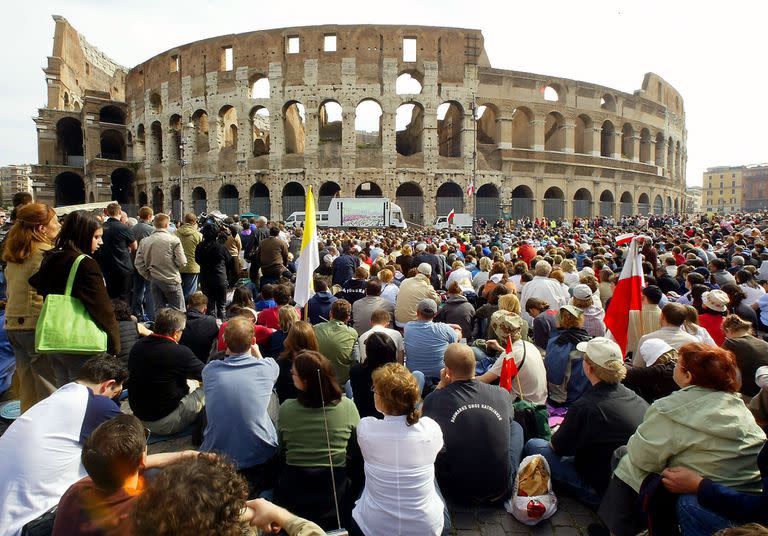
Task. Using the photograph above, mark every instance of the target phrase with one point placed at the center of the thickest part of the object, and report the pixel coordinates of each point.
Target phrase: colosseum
(247, 122)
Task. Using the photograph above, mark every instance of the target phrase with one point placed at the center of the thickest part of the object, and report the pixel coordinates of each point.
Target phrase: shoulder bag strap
(522, 362)
(72, 274)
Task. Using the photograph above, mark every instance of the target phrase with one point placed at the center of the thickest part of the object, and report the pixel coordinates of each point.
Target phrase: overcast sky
(711, 52)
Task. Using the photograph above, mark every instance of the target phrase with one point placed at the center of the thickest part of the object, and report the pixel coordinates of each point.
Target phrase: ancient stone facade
(247, 122)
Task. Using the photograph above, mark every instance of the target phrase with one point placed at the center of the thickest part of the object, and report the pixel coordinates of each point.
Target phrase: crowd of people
(388, 395)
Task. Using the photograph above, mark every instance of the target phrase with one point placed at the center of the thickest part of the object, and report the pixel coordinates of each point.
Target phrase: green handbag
(65, 326)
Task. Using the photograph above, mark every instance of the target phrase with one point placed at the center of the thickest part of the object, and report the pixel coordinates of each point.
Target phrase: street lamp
(183, 143)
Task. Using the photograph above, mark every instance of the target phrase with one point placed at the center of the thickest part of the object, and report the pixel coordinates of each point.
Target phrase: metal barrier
(229, 205)
(606, 208)
(582, 208)
(412, 207)
(554, 208)
(293, 203)
(487, 207)
(261, 206)
(626, 209)
(446, 204)
(522, 207)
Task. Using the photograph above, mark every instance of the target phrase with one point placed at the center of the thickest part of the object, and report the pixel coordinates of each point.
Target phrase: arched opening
(112, 145)
(410, 198)
(260, 204)
(368, 124)
(293, 127)
(111, 114)
(259, 87)
(522, 131)
(228, 127)
(626, 207)
(200, 124)
(409, 83)
(199, 200)
(671, 157)
(293, 199)
(677, 207)
(69, 142)
(658, 205)
(627, 142)
(583, 135)
(158, 200)
(156, 143)
(668, 206)
(70, 189)
(229, 200)
(554, 203)
(66, 100)
(139, 143)
(487, 202)
(327, 191)
(608, 102)
(260, 131)
(582, 203)
(123, 189)
(409, 121)
(176, 206)
(645, 146)
(606, 203)
(368, 189)
(174, 133)
(522, 202)
(450, 123)
(450, 196)
(487, 118)
(329, 129)
(678, 160)
(143, 199)
(551, 92)
(660, 149)
(554, 132)
(155, 103)
(607, 140)
(643, 204)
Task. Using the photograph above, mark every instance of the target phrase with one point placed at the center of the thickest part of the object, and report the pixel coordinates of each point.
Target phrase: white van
(296, 219)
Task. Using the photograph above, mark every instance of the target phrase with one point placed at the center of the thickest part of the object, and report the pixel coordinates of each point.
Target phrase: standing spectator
(272, 256)
(426, 341)
(212, 256)
(201, 330)
(319, 305)
(237, 393)
(158, 260)
(336, 340)
(260, 233)
(115, 255)
(33, 233)
(363, 308)
(412, 291)
(234, 246)
(160, 368)
(190, 238)
(141, 300)
(80, 234)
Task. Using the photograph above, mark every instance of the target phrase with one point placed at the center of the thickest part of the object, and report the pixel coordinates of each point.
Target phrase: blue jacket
(566, 380)
(319, 306)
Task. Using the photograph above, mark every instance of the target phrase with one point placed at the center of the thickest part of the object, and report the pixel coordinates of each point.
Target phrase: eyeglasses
(147, 433)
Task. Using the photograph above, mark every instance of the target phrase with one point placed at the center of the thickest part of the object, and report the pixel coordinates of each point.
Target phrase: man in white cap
(426, 341)
(412, 291)
(600, 421)
(654, 380)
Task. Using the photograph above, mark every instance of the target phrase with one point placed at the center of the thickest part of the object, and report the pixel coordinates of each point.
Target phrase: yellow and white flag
(309, 257)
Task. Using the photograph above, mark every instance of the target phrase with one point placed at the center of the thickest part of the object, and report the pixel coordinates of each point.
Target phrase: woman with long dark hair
(301, 336)
(33, 233)
(380, 349)
(80, 235)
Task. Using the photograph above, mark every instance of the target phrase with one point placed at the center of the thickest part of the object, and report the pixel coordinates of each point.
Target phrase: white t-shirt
(533, 375)
(395, 335)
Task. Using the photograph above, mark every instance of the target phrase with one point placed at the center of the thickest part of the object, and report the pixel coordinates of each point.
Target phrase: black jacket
(89, 288)
(199, 334)
(213, 257)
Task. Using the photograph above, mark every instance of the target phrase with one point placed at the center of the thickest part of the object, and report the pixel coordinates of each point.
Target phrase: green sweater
(301, 433)
(336, 341)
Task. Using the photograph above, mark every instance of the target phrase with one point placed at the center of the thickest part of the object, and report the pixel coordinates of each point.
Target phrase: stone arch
(487, 200)
(139, 143)
(582, 203)
(143, 199)
(259, 87)
(660, 143)
(552, 92)
(606, 203)
(201, 131)
(487, 119)
(294, 127)
(450, 125)
(658, 205)
(368, 115)
(608, 102)
(228, 127)
(409, 120)
(260, 203)
(328, 190)
(645, 146)
(554, 132)
(554, 203)
(158, 200)
(156, 143)
(410, 198)
(368, 189)
(69, 189)
(522, 131)
(330, 128)
(229, 199)
(607, 139)
(410, 82)
(260, 131)
(626, 205)
(643, 204)
(522, 202)
(449, 196)
(583, 135)
(293, 199)
(111, 114)
(174, 135)
(69, 142)
(112, 145)
(627, 141)
(123, 186)
(199, 200)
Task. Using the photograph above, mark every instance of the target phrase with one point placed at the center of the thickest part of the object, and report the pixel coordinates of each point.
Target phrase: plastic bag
(533, 500)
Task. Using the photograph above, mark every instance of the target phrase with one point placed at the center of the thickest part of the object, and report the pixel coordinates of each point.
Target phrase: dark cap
(427, 307)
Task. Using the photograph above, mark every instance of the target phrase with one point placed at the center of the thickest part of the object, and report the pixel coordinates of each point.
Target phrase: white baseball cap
(601, 351)
(652, 349)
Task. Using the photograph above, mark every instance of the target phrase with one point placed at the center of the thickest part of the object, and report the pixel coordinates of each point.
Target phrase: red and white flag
(451, 215)
(626, 296)
(471, 187)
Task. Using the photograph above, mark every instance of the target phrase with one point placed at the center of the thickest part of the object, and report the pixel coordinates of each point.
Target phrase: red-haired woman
(704, 426)
(33, 233)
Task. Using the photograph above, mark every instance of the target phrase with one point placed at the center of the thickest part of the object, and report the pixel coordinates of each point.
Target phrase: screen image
(363, 213)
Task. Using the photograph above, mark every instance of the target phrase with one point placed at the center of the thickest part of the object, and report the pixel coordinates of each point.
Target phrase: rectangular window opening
(409, 49)
(294, 44)
(175, 66)
(329, 43)
(227, 59)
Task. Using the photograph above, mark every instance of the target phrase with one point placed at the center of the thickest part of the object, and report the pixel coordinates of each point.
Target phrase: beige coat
(24, 303)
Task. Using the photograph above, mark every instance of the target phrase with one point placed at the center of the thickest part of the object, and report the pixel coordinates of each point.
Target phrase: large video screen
(363, 213)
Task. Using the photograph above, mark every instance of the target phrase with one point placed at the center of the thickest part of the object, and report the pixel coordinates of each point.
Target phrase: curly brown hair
(202, 496)
(398, 391)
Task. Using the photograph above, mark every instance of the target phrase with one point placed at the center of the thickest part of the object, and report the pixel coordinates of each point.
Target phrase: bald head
(460, 360)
